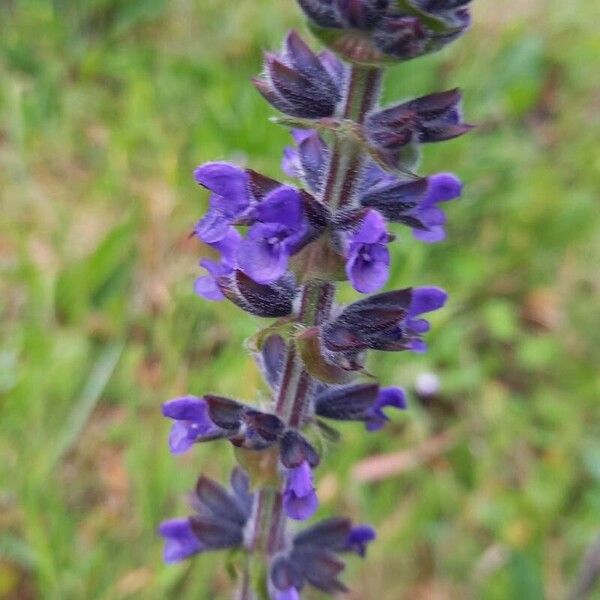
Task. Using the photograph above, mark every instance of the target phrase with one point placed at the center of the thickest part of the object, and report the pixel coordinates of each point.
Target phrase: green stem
(317, 297)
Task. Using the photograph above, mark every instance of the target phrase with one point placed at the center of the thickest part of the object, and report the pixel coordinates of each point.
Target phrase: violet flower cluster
(280, 249)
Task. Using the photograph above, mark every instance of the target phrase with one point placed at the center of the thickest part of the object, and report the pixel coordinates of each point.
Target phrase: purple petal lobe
(299, 498)
(226, 180)
(368, 261)
(185, 408)
(207, 288)
(359, 537)
(443, 187)
(212, 227)
(261, 255)
(289, 594)
(427, 299)
(180, 541)
(281, 206)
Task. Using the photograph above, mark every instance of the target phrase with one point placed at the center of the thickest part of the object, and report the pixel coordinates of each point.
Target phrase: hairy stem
(345, 163)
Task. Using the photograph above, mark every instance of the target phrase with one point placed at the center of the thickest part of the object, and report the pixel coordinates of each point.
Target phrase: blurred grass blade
(96, 382)
(17, 550)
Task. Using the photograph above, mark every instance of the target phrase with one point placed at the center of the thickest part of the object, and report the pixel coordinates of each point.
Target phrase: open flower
(368, 258)
(299, 497)
(390, 321)
(278, 232)
(314, 557)
(192, 423)
(218, 521)
(412, 202)
(230, 198)
(359, 402)
(180, 540)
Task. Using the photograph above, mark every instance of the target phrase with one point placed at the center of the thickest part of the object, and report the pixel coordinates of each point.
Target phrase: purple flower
(368, 258)
(218, 521)
(300, 83)
(180, 540)
(388, 321)
(358, 538)
(431, 118)
(391, 396)
(206, 285)
(358, 402)
(230, 199)
(280, 229)
(299, 498)
(440, 188)
(412, 202)
(192, 423)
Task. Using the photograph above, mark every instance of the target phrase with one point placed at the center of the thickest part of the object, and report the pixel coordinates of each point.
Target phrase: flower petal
(180, 541)
(426, 299)
(262, 261)
(226, 180)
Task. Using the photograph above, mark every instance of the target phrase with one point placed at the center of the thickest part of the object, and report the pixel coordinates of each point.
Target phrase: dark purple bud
(269, 427)
(402, 37)
(263, 300)
(215, 499)
(224, 412)
(240, 486)
(295, 450)
(372, 315)
(320, 567)
(299, 82)
(215, 534)
(322, 12)
(285, 575)
(395, 199)
(272, 355)
(330, 534)
(347, 403)
(362, 14)
(180, 540)
(302, 58)
(432, 118)
(308, 160)
(299, 498)
(335, 67)
(383, 322)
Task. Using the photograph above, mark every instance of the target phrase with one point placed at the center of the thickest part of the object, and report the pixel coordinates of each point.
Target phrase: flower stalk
(317, 296)
(355, 160)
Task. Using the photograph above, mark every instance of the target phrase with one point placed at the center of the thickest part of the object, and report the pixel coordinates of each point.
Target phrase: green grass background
(106, 106)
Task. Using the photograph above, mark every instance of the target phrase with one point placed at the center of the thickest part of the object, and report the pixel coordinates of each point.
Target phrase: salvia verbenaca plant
(282, 250)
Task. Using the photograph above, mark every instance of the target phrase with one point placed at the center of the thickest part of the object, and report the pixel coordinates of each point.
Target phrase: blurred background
(487, 489)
